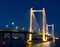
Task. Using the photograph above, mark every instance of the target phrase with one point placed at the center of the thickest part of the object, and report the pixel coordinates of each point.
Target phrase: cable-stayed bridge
(34, 27)
(44, 30)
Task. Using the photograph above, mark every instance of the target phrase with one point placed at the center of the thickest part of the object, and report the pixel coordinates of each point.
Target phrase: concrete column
(53, 31)
(30, 30)
(44, 24)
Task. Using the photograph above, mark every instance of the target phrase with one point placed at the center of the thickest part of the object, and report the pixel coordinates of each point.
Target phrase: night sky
(17, 11)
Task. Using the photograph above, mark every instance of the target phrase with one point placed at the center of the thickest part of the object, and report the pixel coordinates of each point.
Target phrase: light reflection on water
(43, 44)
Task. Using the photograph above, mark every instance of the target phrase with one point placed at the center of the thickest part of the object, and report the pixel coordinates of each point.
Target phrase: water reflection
(43, 44)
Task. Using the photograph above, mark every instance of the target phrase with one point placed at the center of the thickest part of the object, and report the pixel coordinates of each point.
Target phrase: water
(46, 44)
(20, 43)
(43, 44)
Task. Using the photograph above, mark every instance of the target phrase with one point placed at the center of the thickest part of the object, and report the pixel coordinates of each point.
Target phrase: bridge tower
(30, 30)
(47, 31)
(52, 33)
(43, 26)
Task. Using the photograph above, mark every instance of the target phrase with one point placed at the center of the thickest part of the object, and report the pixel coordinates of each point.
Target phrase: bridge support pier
(30, 37)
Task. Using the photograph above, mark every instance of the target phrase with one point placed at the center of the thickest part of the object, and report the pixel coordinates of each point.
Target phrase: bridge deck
(16, 31)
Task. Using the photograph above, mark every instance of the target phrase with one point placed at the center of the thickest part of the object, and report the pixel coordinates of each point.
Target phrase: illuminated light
(15, 37)
(6, 25)
(12, 23)
(45, 44)
(48, 42)
(16, 27)
(48, 34)
(3, 42)
(29, 42)
(43, 38)
(57, 38)
(23, 28)
(30, 37)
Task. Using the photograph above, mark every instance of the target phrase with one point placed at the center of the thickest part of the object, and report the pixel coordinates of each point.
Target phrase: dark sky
(17, 11)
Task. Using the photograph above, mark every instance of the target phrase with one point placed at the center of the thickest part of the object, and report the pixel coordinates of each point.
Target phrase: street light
(12, 23)
(16, 27)
(23, 28)
(6, 25)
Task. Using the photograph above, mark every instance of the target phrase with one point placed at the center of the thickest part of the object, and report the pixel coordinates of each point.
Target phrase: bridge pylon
(43, 26)
(44, 38)
(52, 33)
(30, 30)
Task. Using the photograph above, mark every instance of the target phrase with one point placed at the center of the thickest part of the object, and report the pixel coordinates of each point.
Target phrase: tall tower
(44, 26)
(53, 31)
(30, 30)
(44, 23)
